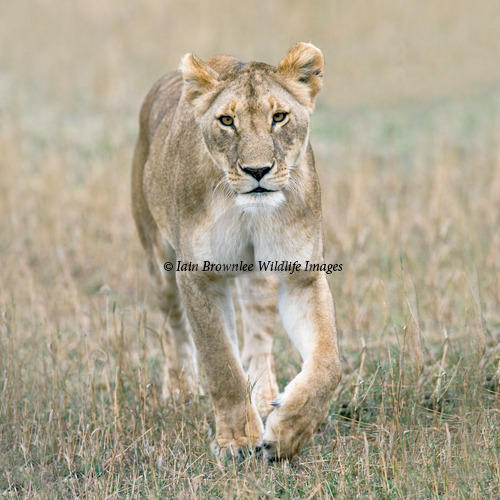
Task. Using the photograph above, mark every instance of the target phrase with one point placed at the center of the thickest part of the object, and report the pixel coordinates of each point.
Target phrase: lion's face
(256, 132)
(255, 120)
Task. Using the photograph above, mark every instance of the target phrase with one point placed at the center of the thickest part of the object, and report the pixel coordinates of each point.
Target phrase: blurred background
(378, 53)
(77, 61)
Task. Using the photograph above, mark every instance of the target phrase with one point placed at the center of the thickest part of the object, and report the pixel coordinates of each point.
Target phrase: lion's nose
(256, 172)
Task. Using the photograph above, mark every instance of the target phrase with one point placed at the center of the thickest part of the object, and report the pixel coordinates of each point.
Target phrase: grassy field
(407, 139)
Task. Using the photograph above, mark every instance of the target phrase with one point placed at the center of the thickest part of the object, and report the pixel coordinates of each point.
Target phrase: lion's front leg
(208, 305)
(308, 315)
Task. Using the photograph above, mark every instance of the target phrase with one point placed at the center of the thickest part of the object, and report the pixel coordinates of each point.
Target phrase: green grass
(411, 199)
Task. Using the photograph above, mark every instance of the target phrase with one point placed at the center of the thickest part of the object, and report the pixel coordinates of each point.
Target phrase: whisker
(223, 188)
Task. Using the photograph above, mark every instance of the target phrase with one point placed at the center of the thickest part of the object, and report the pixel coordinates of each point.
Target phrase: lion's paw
(236, 449)
(288, 429)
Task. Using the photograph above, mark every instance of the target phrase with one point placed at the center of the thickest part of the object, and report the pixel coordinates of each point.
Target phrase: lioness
(223, 172)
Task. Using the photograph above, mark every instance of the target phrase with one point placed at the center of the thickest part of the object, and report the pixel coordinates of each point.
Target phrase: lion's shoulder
(161, 101)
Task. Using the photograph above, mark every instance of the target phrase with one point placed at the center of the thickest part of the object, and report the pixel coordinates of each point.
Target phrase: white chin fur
(256, 201)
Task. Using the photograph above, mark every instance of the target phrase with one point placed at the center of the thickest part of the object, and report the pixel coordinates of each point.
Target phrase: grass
(411, 198)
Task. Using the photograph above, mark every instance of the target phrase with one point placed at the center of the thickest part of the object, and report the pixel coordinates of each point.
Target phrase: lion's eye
(227, 121)
(279, 117)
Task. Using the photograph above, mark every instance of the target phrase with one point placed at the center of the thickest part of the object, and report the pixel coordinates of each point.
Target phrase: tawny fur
(193, 202)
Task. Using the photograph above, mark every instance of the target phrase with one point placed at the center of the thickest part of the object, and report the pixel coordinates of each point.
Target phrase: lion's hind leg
(181, 369)
(259, 311)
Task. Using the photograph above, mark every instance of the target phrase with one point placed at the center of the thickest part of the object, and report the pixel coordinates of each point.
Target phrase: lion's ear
(200, 82)
(302, 70)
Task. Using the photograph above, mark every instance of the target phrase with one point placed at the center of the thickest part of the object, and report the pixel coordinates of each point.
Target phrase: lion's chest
(230, 236)
(220, 236)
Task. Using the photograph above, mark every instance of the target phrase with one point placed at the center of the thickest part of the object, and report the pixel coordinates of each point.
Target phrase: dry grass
(411, 197)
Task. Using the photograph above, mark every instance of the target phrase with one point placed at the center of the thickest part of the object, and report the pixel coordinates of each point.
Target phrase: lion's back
(161, 102)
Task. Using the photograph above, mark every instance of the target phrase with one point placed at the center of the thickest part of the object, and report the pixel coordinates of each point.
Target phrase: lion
(223, 172)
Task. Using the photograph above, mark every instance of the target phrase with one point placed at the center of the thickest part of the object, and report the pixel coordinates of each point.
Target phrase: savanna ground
(407, 139)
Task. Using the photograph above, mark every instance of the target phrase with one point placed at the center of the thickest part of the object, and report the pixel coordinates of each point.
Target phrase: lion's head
(255, 119)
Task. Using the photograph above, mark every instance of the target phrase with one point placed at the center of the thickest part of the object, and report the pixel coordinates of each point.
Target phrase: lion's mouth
(260, 189)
